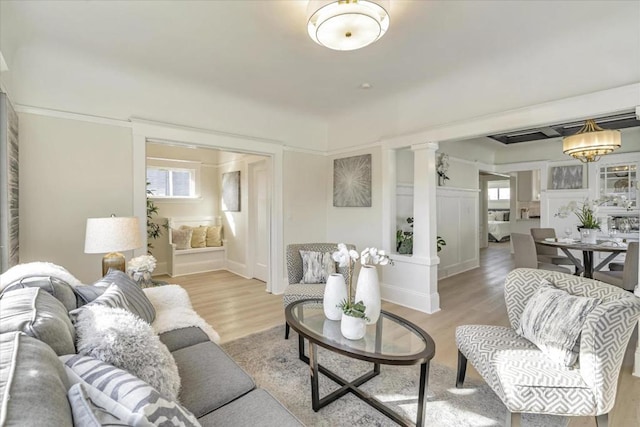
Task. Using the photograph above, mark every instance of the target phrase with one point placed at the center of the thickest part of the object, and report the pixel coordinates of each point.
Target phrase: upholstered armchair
(296, 290)
(525, 378)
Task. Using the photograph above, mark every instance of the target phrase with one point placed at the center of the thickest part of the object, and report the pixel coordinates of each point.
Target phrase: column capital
(425, 146)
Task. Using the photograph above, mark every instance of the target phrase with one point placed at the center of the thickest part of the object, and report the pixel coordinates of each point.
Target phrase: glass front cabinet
(618, 182)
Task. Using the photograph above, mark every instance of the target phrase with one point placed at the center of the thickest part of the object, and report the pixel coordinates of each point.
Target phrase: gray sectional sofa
(40, 385)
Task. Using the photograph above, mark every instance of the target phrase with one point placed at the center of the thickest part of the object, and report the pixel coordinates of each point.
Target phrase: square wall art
(352, 181)
(567, 177)
(231, 191)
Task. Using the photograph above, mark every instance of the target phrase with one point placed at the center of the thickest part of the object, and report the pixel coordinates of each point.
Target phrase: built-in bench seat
(194, 260)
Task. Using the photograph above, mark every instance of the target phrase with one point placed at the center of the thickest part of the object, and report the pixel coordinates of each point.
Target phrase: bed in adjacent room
(499, 227)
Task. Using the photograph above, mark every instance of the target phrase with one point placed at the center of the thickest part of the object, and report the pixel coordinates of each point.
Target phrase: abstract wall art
(9, 197)
(567, 177)
(231, 191)
(352, 181)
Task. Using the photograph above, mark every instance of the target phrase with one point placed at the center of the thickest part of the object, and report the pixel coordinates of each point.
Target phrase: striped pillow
(123, 395)
(113, 297)
(139, 304)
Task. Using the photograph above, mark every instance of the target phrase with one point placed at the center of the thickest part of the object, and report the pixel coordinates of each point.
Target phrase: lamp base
(113, 260)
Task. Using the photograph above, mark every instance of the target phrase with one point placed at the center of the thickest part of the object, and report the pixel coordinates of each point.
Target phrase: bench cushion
(210, 378)
(256, 408)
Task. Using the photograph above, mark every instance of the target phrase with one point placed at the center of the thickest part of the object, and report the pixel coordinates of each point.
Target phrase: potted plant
(404, 240)
(587, 214)
(353, 321)
(153, 229)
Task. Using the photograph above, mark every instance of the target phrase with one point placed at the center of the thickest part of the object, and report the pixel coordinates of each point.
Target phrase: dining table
(613, 246)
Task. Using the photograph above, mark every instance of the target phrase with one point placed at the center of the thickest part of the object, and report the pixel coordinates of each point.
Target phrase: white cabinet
(618, 181)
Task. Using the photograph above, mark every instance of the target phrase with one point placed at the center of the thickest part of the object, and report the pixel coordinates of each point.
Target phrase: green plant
(404, 240)
(353, 309)
(154, 229)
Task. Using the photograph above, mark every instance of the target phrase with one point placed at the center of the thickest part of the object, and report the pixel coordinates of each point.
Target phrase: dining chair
(548, 254)
(524, 251)
(628, 277)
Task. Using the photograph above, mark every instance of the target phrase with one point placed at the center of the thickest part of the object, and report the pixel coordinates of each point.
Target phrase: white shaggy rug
(174, 311)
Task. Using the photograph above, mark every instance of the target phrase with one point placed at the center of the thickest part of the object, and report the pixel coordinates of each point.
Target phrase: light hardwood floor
(236, 307)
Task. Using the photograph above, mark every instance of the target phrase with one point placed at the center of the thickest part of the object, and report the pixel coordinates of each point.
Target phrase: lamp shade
(112, 234)
(347, 24)
(591, 142)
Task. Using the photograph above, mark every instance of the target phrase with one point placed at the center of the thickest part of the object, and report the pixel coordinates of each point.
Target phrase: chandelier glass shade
(591, 142)
(347, 24)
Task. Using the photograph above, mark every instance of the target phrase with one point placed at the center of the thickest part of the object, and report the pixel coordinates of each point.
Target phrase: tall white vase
(368, 291)
(335, 292)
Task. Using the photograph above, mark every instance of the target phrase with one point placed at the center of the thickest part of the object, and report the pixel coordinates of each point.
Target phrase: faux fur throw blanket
(174, 311)
(37, 268)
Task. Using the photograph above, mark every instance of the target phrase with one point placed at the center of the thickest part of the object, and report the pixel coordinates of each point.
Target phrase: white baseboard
(416, 300)
(452, 270)
(237, 268)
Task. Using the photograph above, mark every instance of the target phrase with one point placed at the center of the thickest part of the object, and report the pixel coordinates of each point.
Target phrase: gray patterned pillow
(552, 319)
(125, 397)
(138, 302)
(112, 297)
(316, 266)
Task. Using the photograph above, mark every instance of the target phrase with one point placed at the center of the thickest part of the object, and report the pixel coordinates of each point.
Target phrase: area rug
(273, 362)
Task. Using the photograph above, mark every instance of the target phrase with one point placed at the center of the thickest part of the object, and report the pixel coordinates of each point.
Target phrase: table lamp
(111, 235)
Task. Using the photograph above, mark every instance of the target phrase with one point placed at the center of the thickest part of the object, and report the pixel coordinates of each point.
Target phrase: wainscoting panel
(458, 226)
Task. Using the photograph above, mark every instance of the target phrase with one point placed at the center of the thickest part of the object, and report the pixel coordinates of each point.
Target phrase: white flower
(373, 256)
(142, 263)
(344, 256)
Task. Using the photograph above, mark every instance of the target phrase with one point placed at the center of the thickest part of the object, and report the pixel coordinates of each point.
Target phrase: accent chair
(525, 377)
(296, 290)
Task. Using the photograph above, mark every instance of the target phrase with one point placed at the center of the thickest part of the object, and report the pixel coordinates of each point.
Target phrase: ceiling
(259, 50)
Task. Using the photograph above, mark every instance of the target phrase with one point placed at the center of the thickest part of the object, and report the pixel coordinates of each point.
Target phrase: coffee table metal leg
(422, 392)
(313, 367)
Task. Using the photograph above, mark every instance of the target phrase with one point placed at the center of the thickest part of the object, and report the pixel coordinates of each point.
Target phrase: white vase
(368, 291)
(335, 292)
(352, 328)
(589, 235)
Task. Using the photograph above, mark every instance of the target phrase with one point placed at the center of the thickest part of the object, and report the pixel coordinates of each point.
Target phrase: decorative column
(425, 182)
(636, 365)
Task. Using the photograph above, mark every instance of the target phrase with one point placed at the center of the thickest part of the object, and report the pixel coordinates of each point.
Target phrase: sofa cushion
(552, 319)
(184, 337)
(124, 395)
(59, 289)
(245, 411)
(210, 378)
(39, 315)
(23, 403)
(37, 268)
(139, 304)
(125, 341)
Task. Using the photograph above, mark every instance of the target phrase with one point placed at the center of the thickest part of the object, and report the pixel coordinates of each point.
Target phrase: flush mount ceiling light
(591, 142)
(347, 24)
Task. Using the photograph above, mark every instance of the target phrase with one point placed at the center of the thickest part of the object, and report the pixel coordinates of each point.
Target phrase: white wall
(70, 171)
(305, 197)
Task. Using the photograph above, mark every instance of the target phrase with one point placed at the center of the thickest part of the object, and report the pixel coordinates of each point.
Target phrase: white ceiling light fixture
(591, 142)
(347, 24)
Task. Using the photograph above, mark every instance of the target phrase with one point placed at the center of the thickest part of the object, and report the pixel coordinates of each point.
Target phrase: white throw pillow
(182, 238)
(552, 319)
(120, 338)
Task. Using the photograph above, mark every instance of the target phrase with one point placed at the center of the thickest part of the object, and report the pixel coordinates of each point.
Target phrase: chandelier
(347, 24)
(591, 142)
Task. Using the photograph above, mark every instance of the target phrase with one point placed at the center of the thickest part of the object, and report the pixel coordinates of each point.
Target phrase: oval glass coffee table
(391, 341)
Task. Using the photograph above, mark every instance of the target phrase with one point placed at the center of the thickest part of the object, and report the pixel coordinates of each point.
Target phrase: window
(172, 179)
(499, 193)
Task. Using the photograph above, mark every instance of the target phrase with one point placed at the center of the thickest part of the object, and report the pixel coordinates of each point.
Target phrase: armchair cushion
(316, 266)
(553, 319)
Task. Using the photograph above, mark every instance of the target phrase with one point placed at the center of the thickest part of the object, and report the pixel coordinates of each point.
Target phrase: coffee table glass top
(392, 339)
